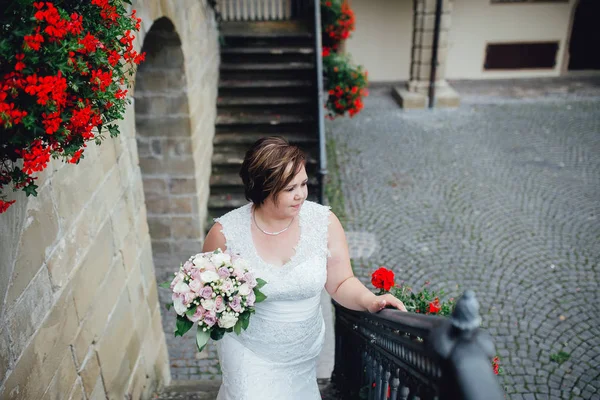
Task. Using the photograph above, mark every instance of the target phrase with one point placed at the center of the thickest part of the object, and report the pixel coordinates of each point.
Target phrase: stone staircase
(267, 87)
(207, 390)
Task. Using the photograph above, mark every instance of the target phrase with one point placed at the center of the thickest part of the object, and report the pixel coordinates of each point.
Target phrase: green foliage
(346, 85)
(560, 357)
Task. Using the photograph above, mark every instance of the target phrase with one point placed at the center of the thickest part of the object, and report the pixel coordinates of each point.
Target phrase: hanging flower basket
(346, 86)
(337, 20)
(65, 67)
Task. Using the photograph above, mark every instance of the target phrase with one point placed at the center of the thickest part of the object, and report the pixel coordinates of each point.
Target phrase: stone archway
(164, 141)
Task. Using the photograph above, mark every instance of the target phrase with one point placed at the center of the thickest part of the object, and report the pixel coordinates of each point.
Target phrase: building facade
(480, 39)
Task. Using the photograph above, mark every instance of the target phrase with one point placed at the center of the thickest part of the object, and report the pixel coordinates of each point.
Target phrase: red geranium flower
(383, 278)
(434, 306)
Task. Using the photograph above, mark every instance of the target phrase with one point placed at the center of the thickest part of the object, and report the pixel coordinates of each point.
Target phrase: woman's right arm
(214, 239)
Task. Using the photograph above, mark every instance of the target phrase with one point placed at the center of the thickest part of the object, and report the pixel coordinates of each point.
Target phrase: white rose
(200, 262)
(240, 266)
(219, 259)
(181, 287)
(208, 304)
(227, 320)
(245, 289)
(178, 305)
(209, 276)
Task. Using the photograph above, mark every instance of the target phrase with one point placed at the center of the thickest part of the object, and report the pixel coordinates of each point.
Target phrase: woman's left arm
(341, 283)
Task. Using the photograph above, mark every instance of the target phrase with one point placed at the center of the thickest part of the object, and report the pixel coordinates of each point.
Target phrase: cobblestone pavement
(501, 196)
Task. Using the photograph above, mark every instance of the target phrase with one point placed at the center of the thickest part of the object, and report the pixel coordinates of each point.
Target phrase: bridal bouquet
(216, 291)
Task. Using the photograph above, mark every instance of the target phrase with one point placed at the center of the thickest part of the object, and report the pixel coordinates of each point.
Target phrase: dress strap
(316, 226)
(233, 227)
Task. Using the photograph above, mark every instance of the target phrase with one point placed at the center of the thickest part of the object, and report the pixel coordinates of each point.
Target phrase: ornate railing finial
(466, 313)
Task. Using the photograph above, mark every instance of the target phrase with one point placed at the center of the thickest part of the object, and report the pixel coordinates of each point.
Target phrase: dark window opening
(521, 55)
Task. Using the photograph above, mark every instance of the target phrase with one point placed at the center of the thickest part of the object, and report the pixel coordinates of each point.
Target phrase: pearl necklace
(271, 233)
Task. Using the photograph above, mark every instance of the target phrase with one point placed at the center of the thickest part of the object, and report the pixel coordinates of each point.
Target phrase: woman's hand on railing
(383, 301)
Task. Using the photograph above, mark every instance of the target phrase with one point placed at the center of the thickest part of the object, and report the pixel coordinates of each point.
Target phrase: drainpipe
(320, 100)
(434, 52)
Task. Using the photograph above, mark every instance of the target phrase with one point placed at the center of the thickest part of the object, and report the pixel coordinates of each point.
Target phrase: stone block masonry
(79, 308)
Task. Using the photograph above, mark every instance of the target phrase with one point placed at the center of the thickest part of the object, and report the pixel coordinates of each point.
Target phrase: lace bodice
(302, 276)
(275, 358)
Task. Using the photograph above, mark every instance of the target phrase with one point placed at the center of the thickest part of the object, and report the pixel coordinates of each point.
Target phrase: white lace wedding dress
(275, 358)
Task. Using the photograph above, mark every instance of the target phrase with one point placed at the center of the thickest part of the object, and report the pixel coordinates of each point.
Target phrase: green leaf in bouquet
(245, 320)
(166, 285)
(260, 283)
(238, 327)
(168, 306)
(217, 333)
(191, 311)
(260, 296)
(202, 337)
(182, 326)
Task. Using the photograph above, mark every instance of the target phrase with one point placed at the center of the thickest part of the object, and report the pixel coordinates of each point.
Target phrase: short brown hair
(265, 169)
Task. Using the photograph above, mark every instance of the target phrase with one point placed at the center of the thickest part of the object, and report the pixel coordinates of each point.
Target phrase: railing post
(465, 353)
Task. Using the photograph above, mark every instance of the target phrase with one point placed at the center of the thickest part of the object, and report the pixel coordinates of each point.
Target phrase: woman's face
(290, 199)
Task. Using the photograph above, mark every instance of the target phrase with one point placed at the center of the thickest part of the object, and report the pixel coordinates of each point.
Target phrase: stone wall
(79, 310)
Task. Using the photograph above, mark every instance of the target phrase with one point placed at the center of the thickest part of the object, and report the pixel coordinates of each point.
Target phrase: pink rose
(236, 304)
(210, 318)
(178, 278)
(188, 297)
(188, 266)
(227, 286)
(250, 279)
(195, 285)
(195, 274)
(219, 304)
(250, 299)
(223, 272)
(198, 315)
(206, 292)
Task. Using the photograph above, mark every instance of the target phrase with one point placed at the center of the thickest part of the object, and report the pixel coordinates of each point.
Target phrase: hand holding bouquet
(218, 292)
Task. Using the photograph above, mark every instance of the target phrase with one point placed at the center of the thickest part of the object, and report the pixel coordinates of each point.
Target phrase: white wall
(383, 38)
(478, 22)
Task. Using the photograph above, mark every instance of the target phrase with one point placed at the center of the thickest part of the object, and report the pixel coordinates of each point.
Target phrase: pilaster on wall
(416, 93)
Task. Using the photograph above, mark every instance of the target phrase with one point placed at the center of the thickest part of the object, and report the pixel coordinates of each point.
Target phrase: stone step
(263, 83)
(241, 118)
(272, 50)
(233, 180)
(247, 138)
(262, 101)
(236, 158)
(208, 390)
(265, 29)
(231, 201)
(284, 66)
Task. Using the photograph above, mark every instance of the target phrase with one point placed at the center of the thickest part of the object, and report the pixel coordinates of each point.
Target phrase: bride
(299, 248)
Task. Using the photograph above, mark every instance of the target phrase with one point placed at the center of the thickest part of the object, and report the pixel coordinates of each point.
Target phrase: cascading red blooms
(346, 82)
(52, 102)
(339, 29)
(383, 278)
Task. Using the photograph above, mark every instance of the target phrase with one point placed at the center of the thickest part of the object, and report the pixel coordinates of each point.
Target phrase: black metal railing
(395, 355)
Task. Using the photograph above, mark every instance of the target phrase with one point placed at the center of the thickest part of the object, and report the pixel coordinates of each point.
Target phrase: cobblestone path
(501, 196)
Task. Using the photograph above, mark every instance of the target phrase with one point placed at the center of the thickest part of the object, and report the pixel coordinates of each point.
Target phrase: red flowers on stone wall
(346, 82)
(64, 70)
